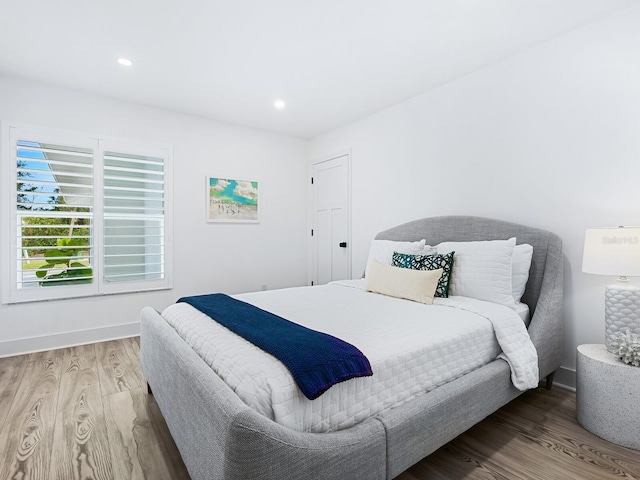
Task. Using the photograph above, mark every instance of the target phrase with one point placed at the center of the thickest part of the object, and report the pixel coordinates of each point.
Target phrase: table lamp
(616, 252)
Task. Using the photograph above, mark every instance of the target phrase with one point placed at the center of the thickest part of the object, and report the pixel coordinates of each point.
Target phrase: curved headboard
(543, 293)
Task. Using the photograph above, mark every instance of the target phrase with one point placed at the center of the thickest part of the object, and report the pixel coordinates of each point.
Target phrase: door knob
(343, 244)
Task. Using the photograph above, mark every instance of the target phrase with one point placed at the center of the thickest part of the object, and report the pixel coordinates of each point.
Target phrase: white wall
(549, 138)
(207, 257)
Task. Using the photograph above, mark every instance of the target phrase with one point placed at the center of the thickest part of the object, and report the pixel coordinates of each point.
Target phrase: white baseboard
(21, 346)
(565, 378)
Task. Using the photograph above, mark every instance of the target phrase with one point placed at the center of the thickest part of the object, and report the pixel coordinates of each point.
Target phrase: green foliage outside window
(61, 267)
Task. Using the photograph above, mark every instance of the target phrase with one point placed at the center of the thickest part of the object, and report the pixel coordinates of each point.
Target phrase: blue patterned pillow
(428, 262)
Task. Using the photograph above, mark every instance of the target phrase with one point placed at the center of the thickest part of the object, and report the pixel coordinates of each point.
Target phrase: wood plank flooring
(83, 413)
(534, 437)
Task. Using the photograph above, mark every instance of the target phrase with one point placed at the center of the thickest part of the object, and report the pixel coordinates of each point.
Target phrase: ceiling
(331, 61)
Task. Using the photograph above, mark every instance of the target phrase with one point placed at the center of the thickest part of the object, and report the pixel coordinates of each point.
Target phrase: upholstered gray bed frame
(219, 437)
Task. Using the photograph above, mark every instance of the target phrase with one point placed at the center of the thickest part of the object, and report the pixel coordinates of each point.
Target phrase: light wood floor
(83, 413)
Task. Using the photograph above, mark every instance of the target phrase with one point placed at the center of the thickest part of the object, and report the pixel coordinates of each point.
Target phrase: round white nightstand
(608, 392)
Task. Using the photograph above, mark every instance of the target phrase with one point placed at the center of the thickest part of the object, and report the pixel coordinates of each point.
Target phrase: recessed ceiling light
(125, 61)
(279, 104)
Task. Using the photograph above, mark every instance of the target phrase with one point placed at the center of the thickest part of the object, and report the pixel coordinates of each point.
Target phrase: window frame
(11, 133)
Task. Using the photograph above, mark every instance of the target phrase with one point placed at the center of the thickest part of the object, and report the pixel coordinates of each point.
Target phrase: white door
(331, 242)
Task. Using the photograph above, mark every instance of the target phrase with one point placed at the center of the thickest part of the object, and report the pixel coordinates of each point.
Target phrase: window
(86, 216)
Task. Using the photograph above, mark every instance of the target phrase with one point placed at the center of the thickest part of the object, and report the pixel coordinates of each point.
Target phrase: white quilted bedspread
(412, 348)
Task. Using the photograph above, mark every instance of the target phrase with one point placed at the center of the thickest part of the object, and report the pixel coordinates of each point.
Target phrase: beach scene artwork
(232, 200)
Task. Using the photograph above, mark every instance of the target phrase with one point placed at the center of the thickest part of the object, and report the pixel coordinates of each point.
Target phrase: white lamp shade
(612, 251)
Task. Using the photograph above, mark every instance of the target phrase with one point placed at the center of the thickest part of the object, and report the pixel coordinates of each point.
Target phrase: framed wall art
(231, 200)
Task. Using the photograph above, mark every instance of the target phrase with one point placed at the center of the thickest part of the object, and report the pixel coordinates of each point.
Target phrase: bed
(221, 437)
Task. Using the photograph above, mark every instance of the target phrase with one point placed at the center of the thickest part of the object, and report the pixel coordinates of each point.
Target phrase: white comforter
(412, 348)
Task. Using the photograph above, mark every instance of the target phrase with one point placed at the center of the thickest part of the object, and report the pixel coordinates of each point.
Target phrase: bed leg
(149, 389)
(550, 380)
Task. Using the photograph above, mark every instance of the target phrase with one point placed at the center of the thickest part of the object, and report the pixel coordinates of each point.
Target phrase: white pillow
(520, 265)
(417, 285)
(482, 270)
(382, 251)
(427, 250)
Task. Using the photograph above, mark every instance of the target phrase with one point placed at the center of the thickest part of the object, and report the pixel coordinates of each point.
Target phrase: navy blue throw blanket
(316, 360)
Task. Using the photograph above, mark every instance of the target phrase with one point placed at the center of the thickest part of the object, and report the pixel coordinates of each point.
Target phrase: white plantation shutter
(54, 185)
(84, 216)
(134, 228)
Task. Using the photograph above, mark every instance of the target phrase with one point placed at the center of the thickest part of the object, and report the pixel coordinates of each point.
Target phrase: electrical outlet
(263, 287)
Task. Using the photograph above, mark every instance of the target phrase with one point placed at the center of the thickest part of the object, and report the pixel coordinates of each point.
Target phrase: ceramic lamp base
(621, 309)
